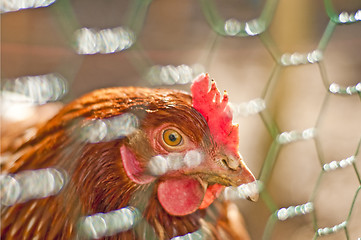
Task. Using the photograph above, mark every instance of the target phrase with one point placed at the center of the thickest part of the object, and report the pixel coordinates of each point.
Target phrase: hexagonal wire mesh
(310, 177)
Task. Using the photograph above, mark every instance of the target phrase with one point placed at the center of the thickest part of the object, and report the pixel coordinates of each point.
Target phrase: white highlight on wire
(170, 75)
(232, 27)
(345, 17)
(327, 230)
(358, 15)
(254, 27)
(335, 88)
(102, 130)
(161, 164)
(30, 184)
(15, 106)
(197, 235)
(337, 164)
(20, 95)
(91, 41)
(15, 5)
(243, 191)
(292, 136)
(36, 89)
(288, 59)
(107, 224)
(292, 211)
(248, 108)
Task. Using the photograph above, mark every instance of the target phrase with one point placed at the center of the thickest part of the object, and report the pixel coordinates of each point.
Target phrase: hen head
(173, 158)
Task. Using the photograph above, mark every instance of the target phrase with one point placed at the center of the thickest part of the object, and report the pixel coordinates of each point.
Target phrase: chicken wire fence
(86, 41)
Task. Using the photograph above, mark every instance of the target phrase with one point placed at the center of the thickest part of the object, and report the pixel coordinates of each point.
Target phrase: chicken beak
(227, 170)
(249, 178)
(236, 169)
(239, 174)
(253, 198)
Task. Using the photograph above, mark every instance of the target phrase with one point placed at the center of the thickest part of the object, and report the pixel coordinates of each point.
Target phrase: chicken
(161, 156)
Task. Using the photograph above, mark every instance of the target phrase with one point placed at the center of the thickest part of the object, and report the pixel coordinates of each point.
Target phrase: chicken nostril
(230, 163)
(224, 162)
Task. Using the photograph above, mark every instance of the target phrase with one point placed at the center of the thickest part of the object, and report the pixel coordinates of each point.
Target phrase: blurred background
(302, 63)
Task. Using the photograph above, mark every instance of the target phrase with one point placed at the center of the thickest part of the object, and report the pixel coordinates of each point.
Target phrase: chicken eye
(172, 137)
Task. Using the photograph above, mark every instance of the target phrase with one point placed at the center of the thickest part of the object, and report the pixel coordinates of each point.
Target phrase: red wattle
(181, 196)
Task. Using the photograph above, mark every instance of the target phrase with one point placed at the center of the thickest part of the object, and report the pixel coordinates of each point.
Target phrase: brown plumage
(97, 180)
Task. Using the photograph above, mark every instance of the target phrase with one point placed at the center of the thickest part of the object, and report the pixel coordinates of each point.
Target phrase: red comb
(217, 112)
